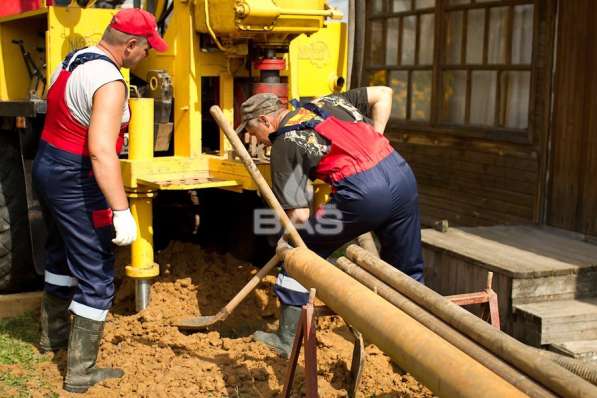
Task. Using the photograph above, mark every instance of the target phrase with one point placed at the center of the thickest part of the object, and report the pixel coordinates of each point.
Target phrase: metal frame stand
(305, 335)
(491, 312)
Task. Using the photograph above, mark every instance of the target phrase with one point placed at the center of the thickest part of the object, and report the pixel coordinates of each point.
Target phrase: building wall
(483, 177)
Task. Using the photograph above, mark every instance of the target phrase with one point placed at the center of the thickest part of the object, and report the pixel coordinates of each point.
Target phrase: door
(572, 196)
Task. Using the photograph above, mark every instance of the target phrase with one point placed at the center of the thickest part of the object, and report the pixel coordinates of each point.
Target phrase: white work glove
(125, 226)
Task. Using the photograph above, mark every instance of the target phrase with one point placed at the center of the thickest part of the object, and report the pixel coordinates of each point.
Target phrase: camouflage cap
(258, 104)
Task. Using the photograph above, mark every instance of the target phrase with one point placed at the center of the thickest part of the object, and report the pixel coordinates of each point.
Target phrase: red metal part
(270, 64)
(486, 296)
(14, 7)
(305, 336)
(280, 89)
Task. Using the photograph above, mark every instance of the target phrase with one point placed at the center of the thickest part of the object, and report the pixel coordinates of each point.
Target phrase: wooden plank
(562, 287)
(12, 305)
(561, 311)
(502, 257)
(585, 350)
(545, 242)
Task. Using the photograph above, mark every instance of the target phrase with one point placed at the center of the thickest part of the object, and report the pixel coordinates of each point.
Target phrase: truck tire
(16, 263)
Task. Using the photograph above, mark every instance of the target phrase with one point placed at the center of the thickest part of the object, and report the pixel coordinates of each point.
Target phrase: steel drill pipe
(452, 336)
(553, 376)
(436, 363)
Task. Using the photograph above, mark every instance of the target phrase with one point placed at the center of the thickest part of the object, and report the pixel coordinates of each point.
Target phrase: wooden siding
(471, 182)
(573, 195)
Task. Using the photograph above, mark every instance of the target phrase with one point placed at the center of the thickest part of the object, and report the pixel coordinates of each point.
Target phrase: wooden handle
(265, 190)
(248, 288)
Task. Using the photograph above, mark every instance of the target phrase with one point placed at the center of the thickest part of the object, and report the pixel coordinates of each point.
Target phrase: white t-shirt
(84, 82)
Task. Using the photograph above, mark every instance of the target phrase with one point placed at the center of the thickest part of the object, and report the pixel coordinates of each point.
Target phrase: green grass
(19, 357)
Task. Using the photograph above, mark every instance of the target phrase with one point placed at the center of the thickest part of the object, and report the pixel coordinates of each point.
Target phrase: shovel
(270, 198)
(201, 322)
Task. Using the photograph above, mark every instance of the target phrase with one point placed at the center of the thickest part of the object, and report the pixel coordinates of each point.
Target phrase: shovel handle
(264, 188)
(248, 288)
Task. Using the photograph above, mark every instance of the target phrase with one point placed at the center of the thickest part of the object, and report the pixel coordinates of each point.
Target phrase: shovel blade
(200, 322)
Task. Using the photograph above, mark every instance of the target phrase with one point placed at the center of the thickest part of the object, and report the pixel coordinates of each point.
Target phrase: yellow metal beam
(141, 148)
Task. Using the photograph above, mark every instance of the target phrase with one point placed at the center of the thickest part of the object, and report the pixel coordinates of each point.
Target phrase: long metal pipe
(452, 336)
(433, 361)
(551, 375)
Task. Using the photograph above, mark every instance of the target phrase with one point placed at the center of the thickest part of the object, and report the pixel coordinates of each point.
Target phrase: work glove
(125, 226)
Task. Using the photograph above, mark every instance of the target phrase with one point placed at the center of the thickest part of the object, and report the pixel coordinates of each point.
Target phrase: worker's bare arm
(298, 216)
(380, 101)
(106, 116)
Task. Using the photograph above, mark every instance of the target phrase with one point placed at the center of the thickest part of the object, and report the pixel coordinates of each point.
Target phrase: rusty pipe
(439, 365)
(551, 375)
(367, 242)
(452, 336)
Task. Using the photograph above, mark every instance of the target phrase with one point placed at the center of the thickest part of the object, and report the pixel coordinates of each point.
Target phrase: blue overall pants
(382, 199)
(80, 259)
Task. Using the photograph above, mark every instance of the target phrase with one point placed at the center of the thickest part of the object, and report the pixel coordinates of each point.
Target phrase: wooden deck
(543, 276)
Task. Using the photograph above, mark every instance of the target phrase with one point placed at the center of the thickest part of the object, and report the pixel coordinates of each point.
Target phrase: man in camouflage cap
(260, 107)
(374, 189)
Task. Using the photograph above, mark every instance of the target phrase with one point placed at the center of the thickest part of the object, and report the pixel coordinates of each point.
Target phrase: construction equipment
(220, 53)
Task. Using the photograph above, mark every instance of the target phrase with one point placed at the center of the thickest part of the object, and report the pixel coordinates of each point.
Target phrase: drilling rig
(176, 160)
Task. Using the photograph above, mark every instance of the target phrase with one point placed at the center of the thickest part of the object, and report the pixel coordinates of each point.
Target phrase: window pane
(392, 41)
(522, 35)
(483, 93)
(454, 37)
(401, 5)
(399, 82)
(409, 34)
(376, 43)
(427, 39)
(516, 89)
(475, 33)
(424, 4)
(377, 6)
(421, 96)
(454, 96)
(377, 78)
(458, 2)
(498, 36)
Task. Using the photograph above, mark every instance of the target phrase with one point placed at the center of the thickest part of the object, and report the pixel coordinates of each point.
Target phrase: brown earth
(160, 361)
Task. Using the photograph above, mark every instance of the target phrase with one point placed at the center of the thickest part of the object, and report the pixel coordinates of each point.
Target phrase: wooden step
(541, 263)
(585, 350)
(553, 322)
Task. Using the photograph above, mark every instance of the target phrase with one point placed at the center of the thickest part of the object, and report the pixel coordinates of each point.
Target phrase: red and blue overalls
(80, 259)
(373, 188)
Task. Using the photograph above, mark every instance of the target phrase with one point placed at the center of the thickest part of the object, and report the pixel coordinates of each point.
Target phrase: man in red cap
(77, 176)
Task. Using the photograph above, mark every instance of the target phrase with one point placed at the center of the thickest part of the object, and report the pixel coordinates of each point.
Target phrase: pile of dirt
(160, 361)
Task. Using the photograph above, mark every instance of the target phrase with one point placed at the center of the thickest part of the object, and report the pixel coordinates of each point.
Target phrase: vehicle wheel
(16, 264)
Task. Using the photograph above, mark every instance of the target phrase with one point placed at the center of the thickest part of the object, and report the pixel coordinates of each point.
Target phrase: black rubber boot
(83, 346)
(55, 323)
(282, 340)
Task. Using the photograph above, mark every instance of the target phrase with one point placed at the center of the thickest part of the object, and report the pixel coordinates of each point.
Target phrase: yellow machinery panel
(318, 63)
(58, 30)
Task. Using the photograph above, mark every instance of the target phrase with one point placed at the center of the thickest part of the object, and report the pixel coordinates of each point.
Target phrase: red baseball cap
(138, 22)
